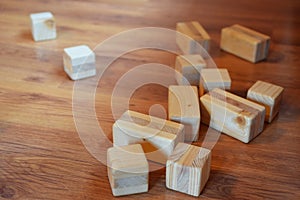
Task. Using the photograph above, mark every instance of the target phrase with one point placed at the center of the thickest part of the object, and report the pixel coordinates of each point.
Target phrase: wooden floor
(41, 153)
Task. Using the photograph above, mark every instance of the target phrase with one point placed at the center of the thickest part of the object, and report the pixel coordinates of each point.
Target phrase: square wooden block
(43, 26)
(188, 169)
(184, 108)
(79, 62)
(188, 69)
(268, 95)
(128, 170)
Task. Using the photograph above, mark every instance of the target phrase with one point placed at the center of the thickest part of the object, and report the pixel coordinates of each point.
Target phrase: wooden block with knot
(43, 26)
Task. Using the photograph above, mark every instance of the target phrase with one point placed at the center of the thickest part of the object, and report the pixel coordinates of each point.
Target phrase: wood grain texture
(41, 154)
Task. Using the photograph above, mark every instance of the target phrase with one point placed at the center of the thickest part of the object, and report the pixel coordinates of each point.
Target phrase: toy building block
(191, 36)
(231, 114)
(188, 69)
(245, 43)
(214, 78)
(188, 169)
(158, 137)
(184, 108)
(128, 170)
(268, 95)
(43, 26)
(79, 62)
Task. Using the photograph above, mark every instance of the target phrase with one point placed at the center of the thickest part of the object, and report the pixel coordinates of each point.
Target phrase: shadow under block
(43, 26)
(268, 95)
(245, 43)
(128, 170)
(79, 62)
(188, 169)
(184, 108)
(158, 137)
(188, 69)
(192, 37)
(231, 114)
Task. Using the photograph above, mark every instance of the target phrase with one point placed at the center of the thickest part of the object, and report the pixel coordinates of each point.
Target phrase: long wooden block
(245, 43)
(158, 137)
(184, 108)
(128, 170)
(233, 115)
(268, 95)
(188, 169)
(43, 26)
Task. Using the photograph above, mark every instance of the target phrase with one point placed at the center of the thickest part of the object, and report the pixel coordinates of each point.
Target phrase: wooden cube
(188, 169)
(245, 43)
(158, 137)
(268, 95)
(231, 114)
(43, 26)
(128, 170)
(184, 108)
(188, 69)
(191, 36)
(79, 62)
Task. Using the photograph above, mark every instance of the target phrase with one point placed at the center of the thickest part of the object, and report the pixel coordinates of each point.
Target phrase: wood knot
(7, 192)
(50, 23)
(240, 121)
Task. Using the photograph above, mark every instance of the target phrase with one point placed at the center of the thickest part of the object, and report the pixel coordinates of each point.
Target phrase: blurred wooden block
(188, 169)
(193, 33)
(233, 115)
(127, 169)
(245, 43)
(43, 26)
(184, 108)
(158, 137)
(79, 62)
(268, 95)
(188, 69)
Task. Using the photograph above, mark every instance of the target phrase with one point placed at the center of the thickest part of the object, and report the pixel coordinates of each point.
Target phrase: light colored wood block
(195, 33)
(188, 68)
(43, 26)
(188, 169)
(184, 108)
(79, 62)
(268, 95)
(231, 114)
(245, 43)
(158, 137)
(128, 170)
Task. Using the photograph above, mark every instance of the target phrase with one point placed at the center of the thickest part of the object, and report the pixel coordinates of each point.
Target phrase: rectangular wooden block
(43, 26)
(233, 115)
(158, 137)
(184, 108)
(245, 43)
(268, 95)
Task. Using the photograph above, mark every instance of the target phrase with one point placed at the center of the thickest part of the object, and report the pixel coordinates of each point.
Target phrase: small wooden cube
(158, 137)
(43, 26)
(191, 36)
(188, 69)
(245, 43)
(188, 169)
(79, 62)
(184, 108)
(231, 114)
(128, 170)
(268, 95)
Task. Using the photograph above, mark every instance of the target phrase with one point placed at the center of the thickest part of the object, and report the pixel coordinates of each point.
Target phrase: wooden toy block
(128, 170)
(158, 137)
(188, 169)
(214, 78)
(184, 108)
(193, 33)
(268, 95)
(231, 114)
(188, 69)
(245, 43)
(43, 26)
(79, 62)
